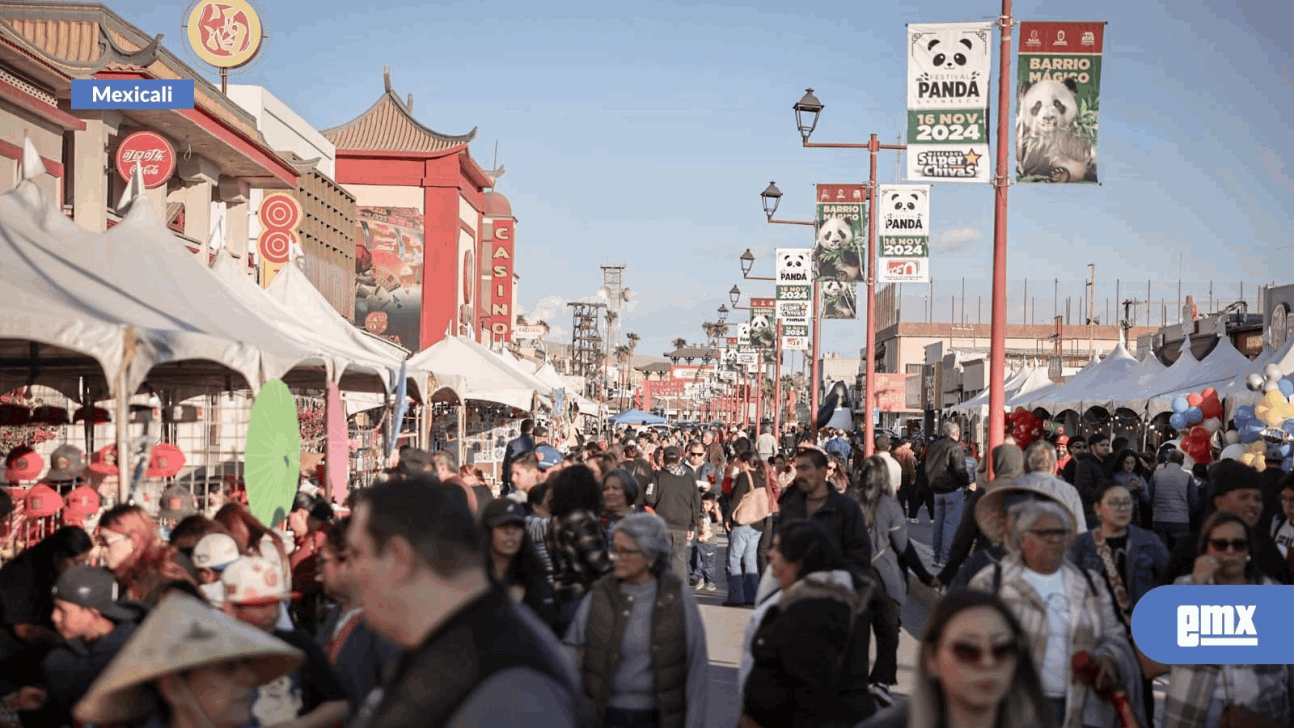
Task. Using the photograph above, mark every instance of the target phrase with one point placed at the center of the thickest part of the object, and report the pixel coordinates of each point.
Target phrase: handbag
(752, 508)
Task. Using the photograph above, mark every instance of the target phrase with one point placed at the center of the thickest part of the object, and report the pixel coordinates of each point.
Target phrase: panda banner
(763, 330)
(839, 300)
(903, 213)
(839, 250)
(948, 85)
(1059, 92)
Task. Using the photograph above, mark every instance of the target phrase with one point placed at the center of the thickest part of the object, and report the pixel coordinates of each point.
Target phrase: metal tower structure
(615, 294)
(586, 341)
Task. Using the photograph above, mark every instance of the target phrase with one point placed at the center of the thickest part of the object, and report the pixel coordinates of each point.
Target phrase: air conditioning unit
(1278, 314)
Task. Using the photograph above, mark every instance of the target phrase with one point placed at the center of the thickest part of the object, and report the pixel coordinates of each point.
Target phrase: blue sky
(642, 134)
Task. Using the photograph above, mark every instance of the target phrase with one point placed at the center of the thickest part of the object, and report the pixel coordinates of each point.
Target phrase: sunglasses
(971, 654)
(1222, 544)
(697, 454)
(1050, 534)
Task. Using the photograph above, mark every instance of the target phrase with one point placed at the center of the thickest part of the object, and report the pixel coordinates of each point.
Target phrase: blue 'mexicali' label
(1215, 625)
(131, 93)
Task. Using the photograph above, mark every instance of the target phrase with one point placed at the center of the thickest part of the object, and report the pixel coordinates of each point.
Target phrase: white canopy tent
(1061, 397)
(979, 403)
(548, 375)
(1033, 385)
(485, 377)
(1078, 397)
(1236, 393)
(1215, 370)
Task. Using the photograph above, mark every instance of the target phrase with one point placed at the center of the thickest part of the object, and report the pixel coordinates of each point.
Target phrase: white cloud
(956, 240)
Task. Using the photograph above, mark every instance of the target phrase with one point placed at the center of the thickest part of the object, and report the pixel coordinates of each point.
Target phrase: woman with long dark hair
(134, 552)
(511, 561)
(973, 669)
(743, 540)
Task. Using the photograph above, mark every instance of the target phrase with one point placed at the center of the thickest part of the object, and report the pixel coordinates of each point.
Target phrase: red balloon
(1194, 400)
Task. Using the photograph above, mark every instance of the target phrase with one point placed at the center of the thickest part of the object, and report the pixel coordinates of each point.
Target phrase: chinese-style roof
(497, 205)
(388, 126)
(656, 367)
(692, 352)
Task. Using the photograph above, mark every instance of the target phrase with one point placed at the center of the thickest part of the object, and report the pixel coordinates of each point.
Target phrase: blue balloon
(1288, 464)
(1180, 404)
(1286, 387)
(1194, 416)
(1251, 432)
(1284, 449)
(1178, 421)
(1244, 413)
(1288, 425)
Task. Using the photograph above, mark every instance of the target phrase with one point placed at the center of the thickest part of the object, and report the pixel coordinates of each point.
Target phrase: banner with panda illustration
(839, 300)
(794, 296)
(840, 249)
(1059, 94)
(903, 214)
(763, 327)
(948, 85)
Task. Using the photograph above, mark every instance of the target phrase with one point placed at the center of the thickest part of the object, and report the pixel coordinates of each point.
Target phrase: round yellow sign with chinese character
(224, 33)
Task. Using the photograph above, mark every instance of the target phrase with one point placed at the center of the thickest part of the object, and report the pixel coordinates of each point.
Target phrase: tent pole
(122, 417)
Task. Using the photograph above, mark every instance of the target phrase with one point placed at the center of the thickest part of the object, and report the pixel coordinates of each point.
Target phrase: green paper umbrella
(272, 467)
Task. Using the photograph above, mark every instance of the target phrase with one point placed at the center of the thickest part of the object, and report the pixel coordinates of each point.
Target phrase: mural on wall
(388, 272)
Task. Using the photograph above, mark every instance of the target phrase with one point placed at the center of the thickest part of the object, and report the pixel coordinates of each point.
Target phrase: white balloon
(1232, 452)
(1254, 382)
(1212, 425)
(1270, 385)
(1272, 372)
(1231, 437)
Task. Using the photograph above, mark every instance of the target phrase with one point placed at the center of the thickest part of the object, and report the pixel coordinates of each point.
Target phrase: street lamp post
(770, 197)
(806, 117)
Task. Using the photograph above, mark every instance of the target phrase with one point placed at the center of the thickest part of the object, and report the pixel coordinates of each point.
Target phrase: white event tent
(485, 376)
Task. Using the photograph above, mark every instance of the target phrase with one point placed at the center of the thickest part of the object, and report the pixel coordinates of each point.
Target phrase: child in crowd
(706, 546)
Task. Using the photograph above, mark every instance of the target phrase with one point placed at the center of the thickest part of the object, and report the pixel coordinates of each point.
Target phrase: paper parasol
(272, 466)
(338, 463)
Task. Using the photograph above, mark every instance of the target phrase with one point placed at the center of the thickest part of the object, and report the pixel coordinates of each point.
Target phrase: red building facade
(419, 207)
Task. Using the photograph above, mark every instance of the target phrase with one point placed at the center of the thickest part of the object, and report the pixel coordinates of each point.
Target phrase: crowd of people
(566, 592)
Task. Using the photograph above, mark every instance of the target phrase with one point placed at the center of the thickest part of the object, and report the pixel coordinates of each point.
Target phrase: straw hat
(990, 511)
(180, 634)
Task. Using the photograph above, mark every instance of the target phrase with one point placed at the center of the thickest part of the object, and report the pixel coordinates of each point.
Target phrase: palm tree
(623, 355)
(633, 340)
(679, 343)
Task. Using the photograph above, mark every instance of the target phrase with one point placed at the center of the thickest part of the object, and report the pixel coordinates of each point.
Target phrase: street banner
(948, 85)
(839, 250)
(763, 331)
(794, 296)
(904, 218)
(839, 300)
(793, 267)
(795, 334)
(743, 334)
(1059, 92)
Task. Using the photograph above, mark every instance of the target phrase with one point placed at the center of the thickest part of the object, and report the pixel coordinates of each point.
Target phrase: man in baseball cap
(94, 626)
(254, 591)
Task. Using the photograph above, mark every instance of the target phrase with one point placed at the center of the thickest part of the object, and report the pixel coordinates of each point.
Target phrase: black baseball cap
(502, 511)
(93, 587)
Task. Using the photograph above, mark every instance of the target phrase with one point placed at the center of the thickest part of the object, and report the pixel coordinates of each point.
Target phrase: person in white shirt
(896, 471)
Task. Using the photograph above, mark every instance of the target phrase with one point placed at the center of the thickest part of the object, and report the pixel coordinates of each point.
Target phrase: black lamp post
(806, 114)
(747, 262)
(723, 313)
(771, 196)
(734, 295)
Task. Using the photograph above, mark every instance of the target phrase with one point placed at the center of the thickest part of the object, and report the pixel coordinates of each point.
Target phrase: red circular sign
(281, 211)
(276, 245)
(151, 152)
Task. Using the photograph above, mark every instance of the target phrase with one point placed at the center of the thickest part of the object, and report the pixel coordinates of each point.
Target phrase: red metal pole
(745, 399)
(813, 367)
(997, 334)
(869, 427)
(759, 393)
(777, 387)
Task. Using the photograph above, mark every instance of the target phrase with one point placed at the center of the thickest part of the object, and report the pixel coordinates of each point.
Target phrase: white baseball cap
(215, 551)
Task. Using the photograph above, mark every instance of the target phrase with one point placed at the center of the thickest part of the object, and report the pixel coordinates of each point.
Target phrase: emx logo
(1215, 625)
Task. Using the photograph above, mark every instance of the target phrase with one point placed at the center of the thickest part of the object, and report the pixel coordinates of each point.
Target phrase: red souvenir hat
(97, 415)
(165, 461)
(23, 463)
(81, 501)
(43, 501)
(104, 461)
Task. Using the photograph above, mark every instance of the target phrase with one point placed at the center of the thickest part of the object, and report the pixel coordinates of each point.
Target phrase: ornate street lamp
(747, 262)
(723, 313)
(771, 196)
(734, 295)
(806, 114)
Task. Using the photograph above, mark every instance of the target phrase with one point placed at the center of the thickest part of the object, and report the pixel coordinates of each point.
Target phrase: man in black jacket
(1090, 475)
(517, 445)
(678, 502)
(945, 470)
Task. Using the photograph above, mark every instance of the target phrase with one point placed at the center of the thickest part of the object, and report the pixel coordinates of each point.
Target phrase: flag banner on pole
(763, 330)
(839, 300)
(948, 84)
(795, 334)
(1059, 94)
(794, 296)
(903, 212)
(743, 334)
(840, 248)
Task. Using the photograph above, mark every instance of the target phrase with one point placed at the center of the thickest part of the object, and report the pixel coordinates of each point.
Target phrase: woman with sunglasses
(1211, 695)
(973, 671)
(1063, 610)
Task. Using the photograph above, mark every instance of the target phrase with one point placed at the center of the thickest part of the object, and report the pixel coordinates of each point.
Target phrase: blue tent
(638, 417)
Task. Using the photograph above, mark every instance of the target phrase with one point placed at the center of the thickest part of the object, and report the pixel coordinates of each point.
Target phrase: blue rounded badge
(1216, 625)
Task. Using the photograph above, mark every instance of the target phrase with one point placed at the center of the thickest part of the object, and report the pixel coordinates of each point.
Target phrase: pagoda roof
(388, 126)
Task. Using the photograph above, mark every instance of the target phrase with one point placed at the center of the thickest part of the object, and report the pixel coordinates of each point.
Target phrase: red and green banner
(1059, 95)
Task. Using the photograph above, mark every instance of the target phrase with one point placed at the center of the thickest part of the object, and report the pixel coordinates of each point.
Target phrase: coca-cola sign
(154, 155)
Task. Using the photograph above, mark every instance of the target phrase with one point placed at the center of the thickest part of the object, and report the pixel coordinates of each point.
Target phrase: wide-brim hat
(23, 463)
(67, 462)
(104, 461)
(990, 511)
(180, 634)
(176, 503)
(165, 461)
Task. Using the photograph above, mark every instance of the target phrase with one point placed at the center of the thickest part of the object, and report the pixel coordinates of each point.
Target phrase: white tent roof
(548, 375)
(1217, 369)
(1032, 385)
(1236, 392)
(521, 369)
(1013, 380)
(86, 289)
(1114, 368)
(1115, 391)
(1064, 396)
(484, 376)
(294, 292)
